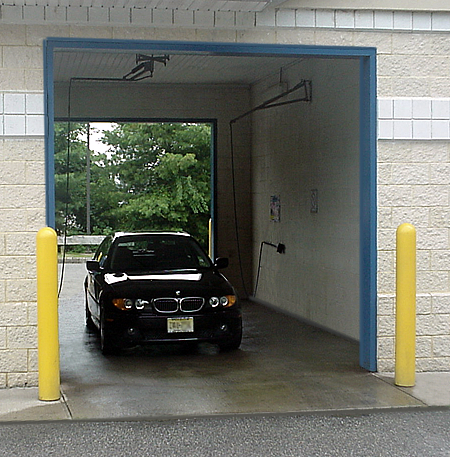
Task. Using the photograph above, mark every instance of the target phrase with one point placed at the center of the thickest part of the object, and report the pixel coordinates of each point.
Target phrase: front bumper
(214, 327)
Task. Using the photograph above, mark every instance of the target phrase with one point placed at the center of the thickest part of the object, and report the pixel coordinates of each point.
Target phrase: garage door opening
(322, 153)
(112, 177)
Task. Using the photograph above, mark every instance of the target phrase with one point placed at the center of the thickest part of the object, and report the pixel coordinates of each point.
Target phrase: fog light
(224, 328)
(132, 331)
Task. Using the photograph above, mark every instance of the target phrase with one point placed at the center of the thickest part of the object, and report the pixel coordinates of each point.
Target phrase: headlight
(123, 303)
(119, 303)
(226, 301)
(214, 301)
(141, 304)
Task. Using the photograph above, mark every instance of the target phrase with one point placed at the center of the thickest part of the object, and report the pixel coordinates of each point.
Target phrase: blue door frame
(367, 59)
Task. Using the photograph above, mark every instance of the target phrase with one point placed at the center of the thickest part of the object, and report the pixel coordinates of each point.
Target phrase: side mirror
(221, 262)
(93, 265)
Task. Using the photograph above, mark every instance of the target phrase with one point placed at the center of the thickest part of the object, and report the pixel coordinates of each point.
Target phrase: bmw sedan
(159, 287)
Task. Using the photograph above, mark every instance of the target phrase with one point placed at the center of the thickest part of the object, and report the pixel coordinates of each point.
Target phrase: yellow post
(405, 320)
(47, 302)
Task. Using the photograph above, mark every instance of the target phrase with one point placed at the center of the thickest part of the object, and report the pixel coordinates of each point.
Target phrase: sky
(96, 134)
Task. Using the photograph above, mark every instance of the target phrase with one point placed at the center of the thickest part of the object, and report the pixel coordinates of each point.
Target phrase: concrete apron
(283, 366)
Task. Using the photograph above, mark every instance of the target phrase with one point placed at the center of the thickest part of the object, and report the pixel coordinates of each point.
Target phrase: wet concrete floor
(282, 366)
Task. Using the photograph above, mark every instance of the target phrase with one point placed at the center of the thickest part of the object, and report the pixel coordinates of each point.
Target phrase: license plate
(180, 324)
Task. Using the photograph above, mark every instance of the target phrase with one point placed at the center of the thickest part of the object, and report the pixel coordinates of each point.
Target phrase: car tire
(106, 345)
(89, 322)
(232, 344)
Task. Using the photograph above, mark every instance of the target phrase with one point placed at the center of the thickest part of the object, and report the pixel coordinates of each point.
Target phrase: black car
(159, 287)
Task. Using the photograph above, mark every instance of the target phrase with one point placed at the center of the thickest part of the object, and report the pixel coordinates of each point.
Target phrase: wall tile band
(363, 19)
(21, 115)
(414, 118)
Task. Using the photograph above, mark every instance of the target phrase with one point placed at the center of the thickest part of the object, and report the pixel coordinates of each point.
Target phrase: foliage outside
(152, 177)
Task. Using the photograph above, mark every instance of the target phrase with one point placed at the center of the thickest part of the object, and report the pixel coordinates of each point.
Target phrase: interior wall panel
(298, 149)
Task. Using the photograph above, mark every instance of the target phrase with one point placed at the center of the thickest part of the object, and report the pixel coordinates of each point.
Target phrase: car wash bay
(300, 171)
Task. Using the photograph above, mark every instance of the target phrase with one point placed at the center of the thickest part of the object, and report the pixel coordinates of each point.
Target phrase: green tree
(70, 176)
(163, 173)
(70, 184)
(154, 177)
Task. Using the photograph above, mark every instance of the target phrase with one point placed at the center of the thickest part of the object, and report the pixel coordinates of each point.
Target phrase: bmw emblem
(178, 293)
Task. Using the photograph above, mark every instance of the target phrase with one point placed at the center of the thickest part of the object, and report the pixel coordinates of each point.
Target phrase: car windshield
(146, 253)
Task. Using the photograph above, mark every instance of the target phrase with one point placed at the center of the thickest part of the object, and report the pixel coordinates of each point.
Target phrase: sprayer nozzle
(281, 248)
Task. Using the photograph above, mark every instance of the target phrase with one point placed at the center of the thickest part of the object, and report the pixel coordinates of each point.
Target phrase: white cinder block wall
(298, 148)
(414, 184)
(22, 196)
(413, 69)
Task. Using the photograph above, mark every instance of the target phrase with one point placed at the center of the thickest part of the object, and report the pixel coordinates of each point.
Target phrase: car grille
(191, 304)
(165, 305)
(172, 305)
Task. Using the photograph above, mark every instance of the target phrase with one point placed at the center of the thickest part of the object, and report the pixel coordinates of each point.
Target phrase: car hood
(116, 278)
(198, 282)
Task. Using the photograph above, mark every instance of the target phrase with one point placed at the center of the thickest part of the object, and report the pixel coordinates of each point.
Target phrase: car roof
(153, 233)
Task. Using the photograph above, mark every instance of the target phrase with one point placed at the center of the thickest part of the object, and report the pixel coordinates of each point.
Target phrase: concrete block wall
(413, 49)
(296, 149)
(22, 210)
(22, 197)
(414, 185)
(432, 327)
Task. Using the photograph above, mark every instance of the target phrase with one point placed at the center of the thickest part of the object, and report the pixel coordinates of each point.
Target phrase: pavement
(399, 433)
(22, 404)
(283, 367)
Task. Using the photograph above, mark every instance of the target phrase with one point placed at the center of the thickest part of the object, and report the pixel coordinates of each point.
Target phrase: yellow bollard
(405, 320)
(47, 302)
